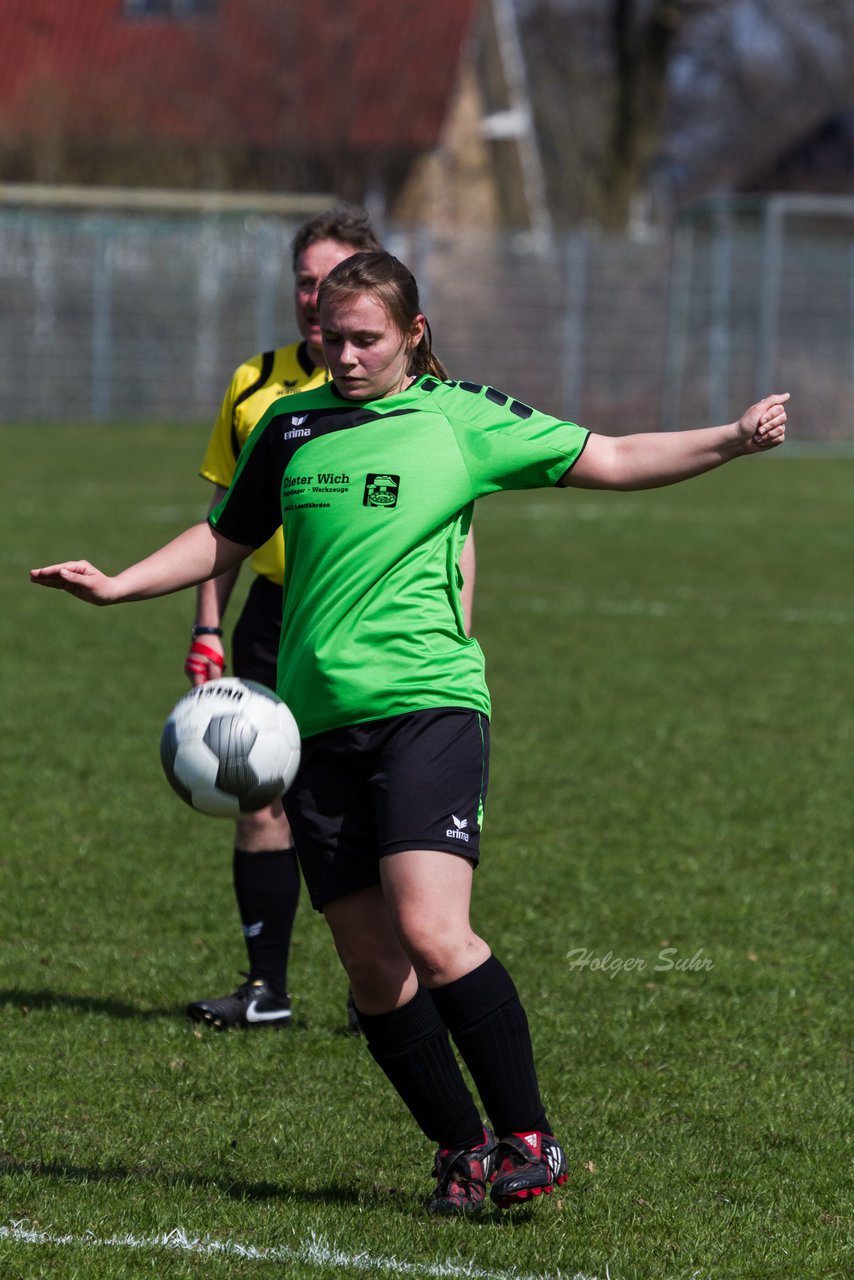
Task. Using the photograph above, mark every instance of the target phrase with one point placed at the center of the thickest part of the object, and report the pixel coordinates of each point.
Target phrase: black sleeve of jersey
(251, 511)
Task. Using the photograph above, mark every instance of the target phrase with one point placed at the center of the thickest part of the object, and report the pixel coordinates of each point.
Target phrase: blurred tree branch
(673, 99)
(643, 34)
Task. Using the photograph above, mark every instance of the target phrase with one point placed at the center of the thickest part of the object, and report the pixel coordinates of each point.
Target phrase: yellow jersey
(254, 386)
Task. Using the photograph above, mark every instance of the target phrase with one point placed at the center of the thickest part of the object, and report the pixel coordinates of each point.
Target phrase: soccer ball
(229, 747)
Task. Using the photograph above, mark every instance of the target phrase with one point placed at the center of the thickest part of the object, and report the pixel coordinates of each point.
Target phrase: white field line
(315, 1253)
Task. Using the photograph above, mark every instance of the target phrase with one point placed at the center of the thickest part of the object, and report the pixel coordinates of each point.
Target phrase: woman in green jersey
(374, 477)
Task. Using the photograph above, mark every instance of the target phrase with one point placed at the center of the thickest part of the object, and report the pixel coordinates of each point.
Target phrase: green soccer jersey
(376, 500)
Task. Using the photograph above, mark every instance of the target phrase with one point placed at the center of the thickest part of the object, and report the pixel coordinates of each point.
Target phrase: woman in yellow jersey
(264, 866)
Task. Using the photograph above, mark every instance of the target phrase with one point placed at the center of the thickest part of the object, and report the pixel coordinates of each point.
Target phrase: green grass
(671, 783)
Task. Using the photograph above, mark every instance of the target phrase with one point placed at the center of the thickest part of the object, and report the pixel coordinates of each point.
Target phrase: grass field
(668, 836)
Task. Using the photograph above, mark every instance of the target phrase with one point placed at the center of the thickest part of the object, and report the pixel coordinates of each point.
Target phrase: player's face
(367, 354)
(312, 267)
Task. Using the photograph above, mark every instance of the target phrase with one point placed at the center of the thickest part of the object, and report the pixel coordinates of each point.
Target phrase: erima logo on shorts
(458, 830)
(381, 490)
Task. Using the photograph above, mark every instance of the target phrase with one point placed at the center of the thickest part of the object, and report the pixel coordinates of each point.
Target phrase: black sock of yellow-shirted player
(267, 888)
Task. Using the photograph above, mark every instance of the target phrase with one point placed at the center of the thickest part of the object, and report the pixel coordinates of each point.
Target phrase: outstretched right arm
(195, 555)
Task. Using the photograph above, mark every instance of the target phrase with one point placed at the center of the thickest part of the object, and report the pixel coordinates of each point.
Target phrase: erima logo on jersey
(458, 830)
(381, 490)
(297, 432)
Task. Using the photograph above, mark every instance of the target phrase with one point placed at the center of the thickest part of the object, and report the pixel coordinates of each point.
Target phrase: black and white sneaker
(254, 1004)
(461, 1176)
(527, 1165)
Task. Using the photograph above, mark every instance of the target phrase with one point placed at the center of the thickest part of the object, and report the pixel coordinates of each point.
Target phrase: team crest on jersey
(381, 490)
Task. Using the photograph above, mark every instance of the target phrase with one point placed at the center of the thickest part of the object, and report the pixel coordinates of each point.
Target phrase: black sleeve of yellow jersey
(251, 511)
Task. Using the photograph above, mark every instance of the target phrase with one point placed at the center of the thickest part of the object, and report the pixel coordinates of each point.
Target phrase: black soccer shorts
(255, 639)
(415, 781)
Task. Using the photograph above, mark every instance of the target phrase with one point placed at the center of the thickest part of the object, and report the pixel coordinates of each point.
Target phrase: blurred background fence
(129, 316)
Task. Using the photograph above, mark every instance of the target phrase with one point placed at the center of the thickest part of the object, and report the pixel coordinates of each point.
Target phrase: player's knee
(378, 970)
(266, 829)
(436, 949)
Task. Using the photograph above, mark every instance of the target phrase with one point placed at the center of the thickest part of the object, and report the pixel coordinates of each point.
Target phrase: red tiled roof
(360, 74)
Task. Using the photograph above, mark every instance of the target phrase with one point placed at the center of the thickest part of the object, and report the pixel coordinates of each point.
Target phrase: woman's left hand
(763, 425)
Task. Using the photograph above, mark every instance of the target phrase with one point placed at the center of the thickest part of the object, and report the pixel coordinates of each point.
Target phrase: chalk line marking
(316, 1253)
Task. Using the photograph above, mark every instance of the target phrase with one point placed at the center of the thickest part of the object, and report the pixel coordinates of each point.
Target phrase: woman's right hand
(79, 578)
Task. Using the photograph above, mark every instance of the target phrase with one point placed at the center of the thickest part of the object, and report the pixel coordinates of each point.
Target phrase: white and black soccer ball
(229, 747)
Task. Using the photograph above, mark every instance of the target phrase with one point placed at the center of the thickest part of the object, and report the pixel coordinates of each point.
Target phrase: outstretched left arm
(648, 460)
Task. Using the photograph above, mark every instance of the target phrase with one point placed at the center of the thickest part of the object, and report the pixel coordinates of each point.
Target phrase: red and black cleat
(462, 1175)
(527, 1165)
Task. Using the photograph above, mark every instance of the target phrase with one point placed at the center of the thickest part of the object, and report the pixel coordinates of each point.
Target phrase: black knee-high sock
(267, 889)
(485, 1017)
(411, 1045)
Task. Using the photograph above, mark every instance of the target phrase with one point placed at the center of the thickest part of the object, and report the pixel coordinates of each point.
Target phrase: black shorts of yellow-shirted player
(375, 476)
